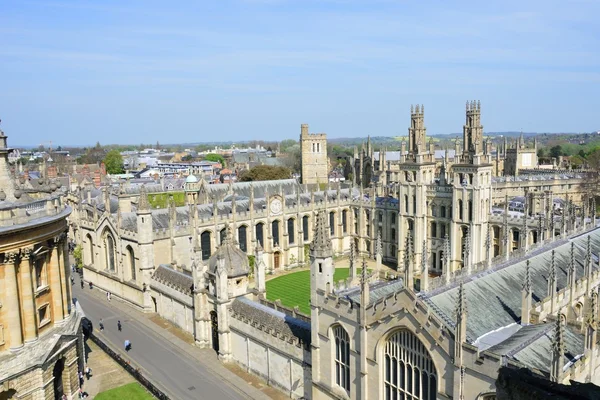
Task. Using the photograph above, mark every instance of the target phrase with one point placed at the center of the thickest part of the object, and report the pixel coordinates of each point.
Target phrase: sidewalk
(252, 388)
(106, 373)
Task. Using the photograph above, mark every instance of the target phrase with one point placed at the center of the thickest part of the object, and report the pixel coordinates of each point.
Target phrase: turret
(558, 351)
(321, 256)
(526, 294)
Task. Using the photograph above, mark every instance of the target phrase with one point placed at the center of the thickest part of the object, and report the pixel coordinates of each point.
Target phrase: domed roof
(191, 179)
(235, 260)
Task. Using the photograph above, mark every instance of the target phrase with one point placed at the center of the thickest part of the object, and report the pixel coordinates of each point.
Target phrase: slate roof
(377, 291)
(268, 318)
(494, 297)
(180, 281)
(532, 346)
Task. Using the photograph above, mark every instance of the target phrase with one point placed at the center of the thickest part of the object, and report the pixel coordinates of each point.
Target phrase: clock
(275, 206)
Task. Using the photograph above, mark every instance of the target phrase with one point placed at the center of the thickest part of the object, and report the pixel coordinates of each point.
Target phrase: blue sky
(77, 72)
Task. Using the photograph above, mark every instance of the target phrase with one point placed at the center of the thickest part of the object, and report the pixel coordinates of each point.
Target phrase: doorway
(276, 260)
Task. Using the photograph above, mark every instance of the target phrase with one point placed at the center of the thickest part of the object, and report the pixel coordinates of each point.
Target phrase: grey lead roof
(494, 298)
(267, 317)
(179, 281)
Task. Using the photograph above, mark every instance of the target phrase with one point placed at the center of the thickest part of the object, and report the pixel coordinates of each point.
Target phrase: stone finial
(527, 287)
(558, 350)
(592, 317)
(588, 256)
(572, 260)
(143, 203)
(321, 244)
(378, 246)
(552, 272)
(461, 301)
(364, 285)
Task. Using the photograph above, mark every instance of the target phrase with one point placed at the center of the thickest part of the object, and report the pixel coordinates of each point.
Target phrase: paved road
(172, 368)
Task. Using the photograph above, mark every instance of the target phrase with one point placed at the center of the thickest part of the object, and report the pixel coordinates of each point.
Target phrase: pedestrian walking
(81, 283)
(119, 327)
(101, 324)
(72, 280)
(88, 372)
(91, 285)
(127, 345)
(80, 374)
(108, 296)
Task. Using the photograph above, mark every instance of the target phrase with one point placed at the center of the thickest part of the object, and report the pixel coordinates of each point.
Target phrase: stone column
(13, 311)
(28, 299)
(55, 286)
(63, 262)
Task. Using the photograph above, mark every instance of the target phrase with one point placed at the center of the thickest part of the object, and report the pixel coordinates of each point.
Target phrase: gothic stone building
(478, 285)
(40, 335)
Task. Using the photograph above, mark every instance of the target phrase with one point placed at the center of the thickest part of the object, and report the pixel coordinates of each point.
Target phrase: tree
(556, 151)
(286, 144)
(113, 162)
(187, 157)
(215, 158)
(540, 153)
(78, 255)
(265, 173)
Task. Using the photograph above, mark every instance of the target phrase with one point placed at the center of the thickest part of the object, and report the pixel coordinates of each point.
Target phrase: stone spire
(591, 329)
(378, 252)
(558, 351)
(408, 267)
(364, 285)
(488, 247)
(352, 259)
(552, 274)
(446, 260)
(588, 265)
(143, 204)
(321, 244)
(461, 324)
(526, 294)
(424, 268)
(467, 252)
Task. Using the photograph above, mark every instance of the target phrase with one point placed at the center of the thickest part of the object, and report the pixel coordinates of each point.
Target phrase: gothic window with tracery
(342, 358)
(409, 372)
(110, 252)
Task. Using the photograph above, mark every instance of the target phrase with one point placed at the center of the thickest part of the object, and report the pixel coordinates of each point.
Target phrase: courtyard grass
(131, 391)
(294, 289)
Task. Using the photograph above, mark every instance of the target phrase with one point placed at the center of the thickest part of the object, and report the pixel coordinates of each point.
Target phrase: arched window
(443, 211)
(291, 232)
(460, 210)
(242, 238)
(433, 229)
(332, 223)
(344, 221)
(406, 203)
(109, 247)
(222, 235)
(414, 210)
(409, 372)
(470, 210)
(305, 227)
(205, 245)
(275, 233)
(355, 222)
(342, 358)
(259, 233)
(90, 257)
(131, 260)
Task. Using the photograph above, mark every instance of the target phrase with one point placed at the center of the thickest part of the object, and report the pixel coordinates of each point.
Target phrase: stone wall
(282, 364)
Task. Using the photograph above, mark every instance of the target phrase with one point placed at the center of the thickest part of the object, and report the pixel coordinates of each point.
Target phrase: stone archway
(57, 374)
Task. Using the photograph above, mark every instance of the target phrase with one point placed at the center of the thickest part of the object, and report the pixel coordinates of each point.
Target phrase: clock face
(275, 206)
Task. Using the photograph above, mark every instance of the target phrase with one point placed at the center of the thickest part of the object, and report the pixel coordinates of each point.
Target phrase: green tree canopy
(215, 158)
(286, 144)
(113, 162)
(265, 173)
(556, 151)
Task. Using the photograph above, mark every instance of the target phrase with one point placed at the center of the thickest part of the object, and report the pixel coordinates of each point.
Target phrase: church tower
(471, 194)
(417, 172)
(313, 148)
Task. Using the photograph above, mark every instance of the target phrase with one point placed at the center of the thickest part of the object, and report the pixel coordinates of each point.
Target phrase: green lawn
(294, 289)
(131, 391)
(161, 200)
